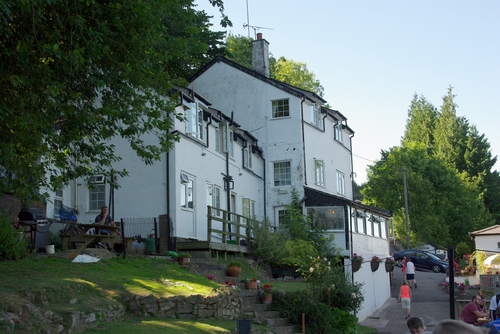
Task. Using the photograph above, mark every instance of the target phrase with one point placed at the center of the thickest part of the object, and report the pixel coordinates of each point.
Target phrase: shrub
(11, 248)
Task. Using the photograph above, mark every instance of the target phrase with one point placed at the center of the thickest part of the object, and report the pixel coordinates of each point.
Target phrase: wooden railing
(234, 228)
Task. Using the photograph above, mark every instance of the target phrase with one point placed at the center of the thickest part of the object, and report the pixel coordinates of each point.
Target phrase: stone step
(285, 330)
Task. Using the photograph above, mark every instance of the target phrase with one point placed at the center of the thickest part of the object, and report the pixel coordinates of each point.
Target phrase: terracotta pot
(356, 265)
(252, 285)
(184, 261)
(267, 299)
(233, 271)
(374, 266)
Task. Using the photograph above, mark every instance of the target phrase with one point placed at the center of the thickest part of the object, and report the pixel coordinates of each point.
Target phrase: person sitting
(105, 219)
(473, 310)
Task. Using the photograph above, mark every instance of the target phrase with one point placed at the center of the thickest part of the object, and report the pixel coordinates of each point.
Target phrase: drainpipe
(303, 139)
(206, 129)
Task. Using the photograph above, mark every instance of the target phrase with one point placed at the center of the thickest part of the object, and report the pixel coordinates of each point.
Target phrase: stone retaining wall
(225, 305)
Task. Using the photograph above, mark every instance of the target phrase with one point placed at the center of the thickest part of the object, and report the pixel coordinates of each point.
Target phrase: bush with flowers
(266, 290)
(316, 268)
(357, 258)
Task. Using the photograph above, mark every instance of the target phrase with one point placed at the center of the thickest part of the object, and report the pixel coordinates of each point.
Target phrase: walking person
(410, 273)
(405, 298)
(403, 267)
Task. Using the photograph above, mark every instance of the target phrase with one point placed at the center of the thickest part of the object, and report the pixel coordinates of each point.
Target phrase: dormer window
(316, 115)
(337, 130)
(195, 121)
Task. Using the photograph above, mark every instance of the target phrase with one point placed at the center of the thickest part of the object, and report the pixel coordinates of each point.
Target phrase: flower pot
(356, 265)
(233, 271)
(183, 261)
(252, 285)
(388, 267)
(374, 266)
(266, 299)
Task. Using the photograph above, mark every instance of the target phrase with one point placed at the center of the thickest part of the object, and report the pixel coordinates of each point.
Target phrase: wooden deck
(234, 229)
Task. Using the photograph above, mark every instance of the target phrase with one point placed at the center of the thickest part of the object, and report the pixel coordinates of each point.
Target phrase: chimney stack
(260, 55)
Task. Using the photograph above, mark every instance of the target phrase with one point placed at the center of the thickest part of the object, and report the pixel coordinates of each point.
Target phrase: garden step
(253, 307)
(277, 322)
(285, 330)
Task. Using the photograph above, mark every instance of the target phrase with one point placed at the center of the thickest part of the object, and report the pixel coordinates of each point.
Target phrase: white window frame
(282, 173)
(247, 156)
(247, 207)
(316, 115)
(187, 192)
(58, 201)
(319, 172)
(280, 213)
(340, 183)
(224, 139)
(194, 122)
(216, 200)
(337, 130)
(280, 108)
(97, 196)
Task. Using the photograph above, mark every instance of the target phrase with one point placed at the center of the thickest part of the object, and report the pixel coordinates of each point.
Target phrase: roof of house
(492, 230)
(313, 97)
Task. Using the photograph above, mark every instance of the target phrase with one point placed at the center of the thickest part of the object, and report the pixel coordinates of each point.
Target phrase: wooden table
(83, 239)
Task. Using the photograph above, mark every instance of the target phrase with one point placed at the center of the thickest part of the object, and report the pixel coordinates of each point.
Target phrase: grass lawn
(57, 280)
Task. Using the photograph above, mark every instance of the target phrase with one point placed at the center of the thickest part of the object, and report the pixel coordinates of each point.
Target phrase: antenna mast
(255, 28)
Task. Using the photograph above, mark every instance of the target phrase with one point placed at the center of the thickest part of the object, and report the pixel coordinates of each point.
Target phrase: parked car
(422, 260)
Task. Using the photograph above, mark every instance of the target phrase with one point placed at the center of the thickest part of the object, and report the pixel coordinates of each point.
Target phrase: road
(429, 302)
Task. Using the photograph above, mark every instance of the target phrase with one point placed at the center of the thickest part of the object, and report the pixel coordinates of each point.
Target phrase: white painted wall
(488, 243)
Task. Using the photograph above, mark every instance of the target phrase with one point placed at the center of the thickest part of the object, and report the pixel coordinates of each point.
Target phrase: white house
(487, 240)
(307, 147)
(245, 142)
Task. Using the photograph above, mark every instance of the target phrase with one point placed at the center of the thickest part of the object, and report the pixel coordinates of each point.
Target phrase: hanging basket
(356, 265)
(374, 266)
(388, 267)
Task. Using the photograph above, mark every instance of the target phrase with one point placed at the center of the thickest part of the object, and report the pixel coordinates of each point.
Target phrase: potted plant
(356, 262)
(266, 294)
(184, 258)
(375, 262)
(233, 268)
(251, 283)
(389, 264)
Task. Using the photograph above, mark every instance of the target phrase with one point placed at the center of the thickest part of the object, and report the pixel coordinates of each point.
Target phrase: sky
(372, 56)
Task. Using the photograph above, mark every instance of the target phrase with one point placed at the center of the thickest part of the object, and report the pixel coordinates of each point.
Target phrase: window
(247, 156)
(248, 207)
(58, 201)
(319, 177)
(337, 130)
(224, 139)
(327, 217)
(340, 183)
(187, 191)
(316, 115)
(280, 108)
(216, 201)
(97, 196)
(195, 121)
(282, 173)
(281, 216)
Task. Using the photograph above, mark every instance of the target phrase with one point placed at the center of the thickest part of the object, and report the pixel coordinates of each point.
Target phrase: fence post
(164, 234)
(157, 244)
(122, 229)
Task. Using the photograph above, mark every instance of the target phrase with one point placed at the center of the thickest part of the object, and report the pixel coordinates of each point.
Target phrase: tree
(421, 121)
(442, 206)
(75, 74)
(296, 74)
(285, 70)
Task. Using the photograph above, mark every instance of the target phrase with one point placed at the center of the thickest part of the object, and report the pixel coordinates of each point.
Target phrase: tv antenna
(255, 28)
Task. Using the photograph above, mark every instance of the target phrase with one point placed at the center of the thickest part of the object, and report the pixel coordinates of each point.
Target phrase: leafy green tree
(296, 74)
(285, 70)
(442, 206)
(421, 121)
(75, 74)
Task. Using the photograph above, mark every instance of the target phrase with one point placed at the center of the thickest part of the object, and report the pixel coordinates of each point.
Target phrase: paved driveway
(429, 302)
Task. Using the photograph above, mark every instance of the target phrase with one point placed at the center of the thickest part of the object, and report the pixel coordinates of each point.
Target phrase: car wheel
(399, 263)
(436, 268)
